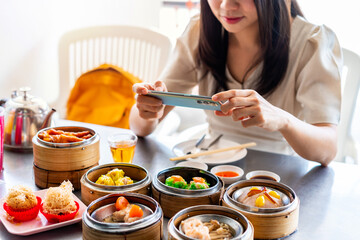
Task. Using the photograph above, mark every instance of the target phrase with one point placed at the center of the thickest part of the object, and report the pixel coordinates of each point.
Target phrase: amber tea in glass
(122, 146)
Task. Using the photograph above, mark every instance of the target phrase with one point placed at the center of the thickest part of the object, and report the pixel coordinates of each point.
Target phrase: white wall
(30, 30)
(341, 16)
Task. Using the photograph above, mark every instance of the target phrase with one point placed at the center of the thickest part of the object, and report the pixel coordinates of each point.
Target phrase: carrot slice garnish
(177, 178)
(269, 197)
(135, 211)
(199, 180)
(121, 203)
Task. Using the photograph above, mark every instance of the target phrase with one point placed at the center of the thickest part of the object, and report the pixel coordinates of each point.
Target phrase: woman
(278, 75)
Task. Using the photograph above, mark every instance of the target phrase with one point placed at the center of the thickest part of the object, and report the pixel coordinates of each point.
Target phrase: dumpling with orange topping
(176, 181)
(125, 212)
(261, 197)
(198, 183)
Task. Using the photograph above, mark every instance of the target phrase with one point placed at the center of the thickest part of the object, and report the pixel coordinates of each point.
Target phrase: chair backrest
(140, 51)
(350, 91)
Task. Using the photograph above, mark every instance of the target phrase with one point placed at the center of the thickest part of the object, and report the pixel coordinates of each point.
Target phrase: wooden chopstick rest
(246, 145)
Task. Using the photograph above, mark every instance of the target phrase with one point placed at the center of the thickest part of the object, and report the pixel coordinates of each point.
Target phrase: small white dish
(262, 174)
(225, 168)
(193, 164)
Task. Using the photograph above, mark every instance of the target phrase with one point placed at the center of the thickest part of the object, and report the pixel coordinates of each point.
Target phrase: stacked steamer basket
(91, 191)
(173, 199)
(56, 162)
(150, 227)
(239, 227)
(269, 223)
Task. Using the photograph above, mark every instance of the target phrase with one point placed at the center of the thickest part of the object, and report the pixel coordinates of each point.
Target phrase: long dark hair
(274, 29)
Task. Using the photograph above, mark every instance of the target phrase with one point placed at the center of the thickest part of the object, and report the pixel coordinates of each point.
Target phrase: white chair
(140, 51)
(350, 89)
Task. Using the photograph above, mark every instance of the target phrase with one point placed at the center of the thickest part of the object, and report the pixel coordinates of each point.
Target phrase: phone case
(186, 100)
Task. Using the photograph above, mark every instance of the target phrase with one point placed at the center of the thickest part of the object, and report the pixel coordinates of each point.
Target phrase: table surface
(329, 196)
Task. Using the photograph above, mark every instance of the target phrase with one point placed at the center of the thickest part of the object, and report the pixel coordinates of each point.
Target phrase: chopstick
(246, 145)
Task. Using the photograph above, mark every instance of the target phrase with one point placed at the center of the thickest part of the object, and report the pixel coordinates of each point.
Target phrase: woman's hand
(149, 108)
(251, 109)
(316, 142)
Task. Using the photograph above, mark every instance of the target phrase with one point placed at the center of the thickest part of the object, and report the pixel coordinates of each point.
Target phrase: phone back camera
(204, 102)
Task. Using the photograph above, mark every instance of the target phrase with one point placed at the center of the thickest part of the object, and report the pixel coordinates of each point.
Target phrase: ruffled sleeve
(319, 78)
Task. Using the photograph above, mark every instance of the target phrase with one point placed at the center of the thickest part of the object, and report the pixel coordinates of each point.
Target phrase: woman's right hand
(149, 108)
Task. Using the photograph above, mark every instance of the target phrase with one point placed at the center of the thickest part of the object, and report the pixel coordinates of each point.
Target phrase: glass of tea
(122, 146)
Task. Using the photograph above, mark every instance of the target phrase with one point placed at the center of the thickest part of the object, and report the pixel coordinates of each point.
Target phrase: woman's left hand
(251, 109)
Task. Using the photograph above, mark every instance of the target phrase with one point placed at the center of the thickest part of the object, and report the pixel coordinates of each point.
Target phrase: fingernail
(215, 98)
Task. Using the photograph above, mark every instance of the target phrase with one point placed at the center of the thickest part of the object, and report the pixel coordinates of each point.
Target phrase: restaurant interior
(179, 176)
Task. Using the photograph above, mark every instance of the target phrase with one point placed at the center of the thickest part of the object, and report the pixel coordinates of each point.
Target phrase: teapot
(25, 115)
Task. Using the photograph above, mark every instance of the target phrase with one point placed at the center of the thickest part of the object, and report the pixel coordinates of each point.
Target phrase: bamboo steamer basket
(241, 227)
(269, 223)
(47, 178)
(66, 156)
(173, 199)
(149, 228)
(91, 191)
(56, 162)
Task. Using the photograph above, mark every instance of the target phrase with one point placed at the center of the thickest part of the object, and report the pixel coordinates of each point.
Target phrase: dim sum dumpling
(105, 180)
(115, 174)
(124, 181)
(198, 183)
(261, 197)
(176, 181)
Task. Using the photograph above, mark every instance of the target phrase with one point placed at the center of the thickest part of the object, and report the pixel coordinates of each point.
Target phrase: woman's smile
(232, 20)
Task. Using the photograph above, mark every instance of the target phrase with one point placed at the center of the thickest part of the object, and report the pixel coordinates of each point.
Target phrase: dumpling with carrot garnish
(176, 181)
(261, 197)
(198, 183)
(125, 212)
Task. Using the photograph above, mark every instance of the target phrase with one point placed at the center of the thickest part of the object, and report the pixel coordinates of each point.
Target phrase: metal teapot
(25, 115)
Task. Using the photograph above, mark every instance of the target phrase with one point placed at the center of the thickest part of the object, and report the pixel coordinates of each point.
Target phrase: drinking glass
(2, 123)
(122, 146)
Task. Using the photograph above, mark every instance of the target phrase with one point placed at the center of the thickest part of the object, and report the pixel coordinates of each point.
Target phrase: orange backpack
(103, 96)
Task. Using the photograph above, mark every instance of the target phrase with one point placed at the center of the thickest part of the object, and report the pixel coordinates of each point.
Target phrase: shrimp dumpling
(194, 228)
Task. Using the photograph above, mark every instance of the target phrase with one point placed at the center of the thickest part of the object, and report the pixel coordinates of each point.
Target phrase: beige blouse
(310, 90)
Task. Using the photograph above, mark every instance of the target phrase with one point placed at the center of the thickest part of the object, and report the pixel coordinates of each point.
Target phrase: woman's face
(235, 15)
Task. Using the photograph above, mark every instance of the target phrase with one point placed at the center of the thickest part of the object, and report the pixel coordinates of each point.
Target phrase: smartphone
(186, 100)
